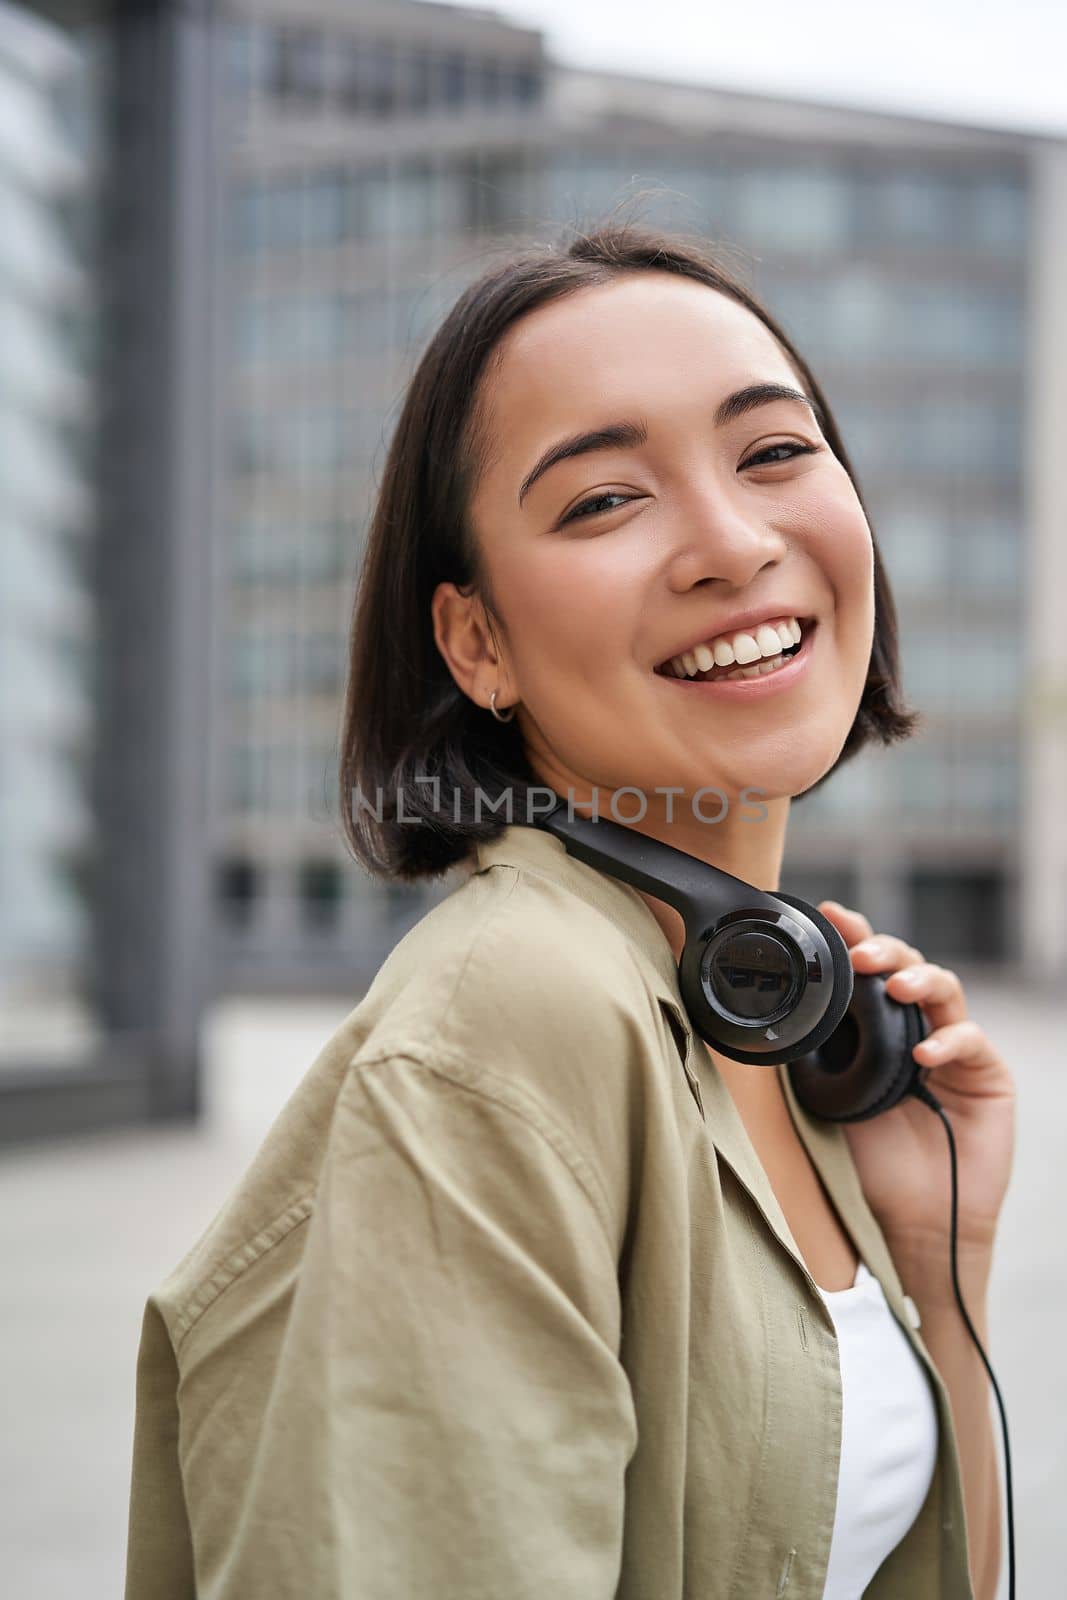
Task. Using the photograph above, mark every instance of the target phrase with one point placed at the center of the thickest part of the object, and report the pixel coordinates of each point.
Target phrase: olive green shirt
(505, 1308)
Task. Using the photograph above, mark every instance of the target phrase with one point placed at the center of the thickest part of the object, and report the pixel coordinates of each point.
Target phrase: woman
(529, 1291)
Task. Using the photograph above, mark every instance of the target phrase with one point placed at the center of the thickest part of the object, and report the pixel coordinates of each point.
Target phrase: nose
(719, 537)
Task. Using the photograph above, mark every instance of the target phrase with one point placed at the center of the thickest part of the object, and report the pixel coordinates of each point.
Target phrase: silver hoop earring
(501, 716)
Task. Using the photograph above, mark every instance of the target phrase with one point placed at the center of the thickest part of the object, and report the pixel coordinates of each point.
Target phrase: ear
(461, 632)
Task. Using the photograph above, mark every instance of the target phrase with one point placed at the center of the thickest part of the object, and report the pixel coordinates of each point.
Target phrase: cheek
(570, 612)
(835, 533)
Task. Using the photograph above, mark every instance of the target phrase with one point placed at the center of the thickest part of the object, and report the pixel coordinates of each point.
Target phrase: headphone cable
(924, 1094)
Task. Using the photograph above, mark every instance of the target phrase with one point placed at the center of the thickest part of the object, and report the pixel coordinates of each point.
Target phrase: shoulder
(519, 992)
(509, 967)
(511, 1019)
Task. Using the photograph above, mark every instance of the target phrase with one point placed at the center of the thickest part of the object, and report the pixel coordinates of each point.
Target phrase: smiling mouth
(761, 667)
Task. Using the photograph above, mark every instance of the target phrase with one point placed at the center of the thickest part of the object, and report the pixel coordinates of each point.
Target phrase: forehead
(644, 338)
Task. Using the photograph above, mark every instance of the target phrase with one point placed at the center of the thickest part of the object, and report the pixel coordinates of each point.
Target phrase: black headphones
(766, 977)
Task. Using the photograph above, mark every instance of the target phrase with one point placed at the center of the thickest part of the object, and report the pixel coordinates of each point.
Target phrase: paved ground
(87, 1228)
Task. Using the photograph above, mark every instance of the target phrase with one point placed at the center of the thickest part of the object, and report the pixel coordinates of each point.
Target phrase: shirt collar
(536, 850)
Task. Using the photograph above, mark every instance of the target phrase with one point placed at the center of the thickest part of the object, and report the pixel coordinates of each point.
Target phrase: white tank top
(889, 1435)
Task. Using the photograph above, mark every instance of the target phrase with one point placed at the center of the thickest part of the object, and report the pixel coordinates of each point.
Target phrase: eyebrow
(627, 435)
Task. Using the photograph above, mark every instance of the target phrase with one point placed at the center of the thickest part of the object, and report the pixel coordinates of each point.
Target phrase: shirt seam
(456, 1069)
(236, 1263)
(533, 1116)
(768, 1411)
(502, 1095)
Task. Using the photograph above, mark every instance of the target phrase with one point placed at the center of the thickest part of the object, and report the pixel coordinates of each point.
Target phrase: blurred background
(226, 232)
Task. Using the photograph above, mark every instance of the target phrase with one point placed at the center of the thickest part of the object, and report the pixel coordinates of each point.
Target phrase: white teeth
(769, 640)
(746, 648)
(760, 670)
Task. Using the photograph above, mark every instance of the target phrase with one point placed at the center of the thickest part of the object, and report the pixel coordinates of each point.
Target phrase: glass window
(317, 439)
(292, 211)
(251, 442)
(320, 324)
(375, 194)
(244, 57)
(367, 322)
(496, 189)
(420, 80)
(320, 893)
(919, 776)
(369, 77)
(694, 193)
(526, 85)
(988, 669)
(323, 662)
(248, 776)
(488, 82)
(297, 65)
(412, 202)
(965, 434)
(793, 208)
(238, 887)
(849, 794)
(283, 767)
(915, 542)
(999, 215)
(246, 216)
(246, 663)
(283, 216)
(323, 550)
(289, 327)
(986, 783)
(956, 321)
(453, 70)
(866, 435)
(958, 914)
(860, 312)
(988, 553)
(918, 207)
(324, 209)
(348, 72)
(957, 668)
(581, 187)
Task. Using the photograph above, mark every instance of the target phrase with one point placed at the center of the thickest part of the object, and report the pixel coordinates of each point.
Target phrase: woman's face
(607, 562)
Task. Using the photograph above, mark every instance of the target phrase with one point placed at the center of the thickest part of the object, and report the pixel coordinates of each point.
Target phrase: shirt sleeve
(449, 1415)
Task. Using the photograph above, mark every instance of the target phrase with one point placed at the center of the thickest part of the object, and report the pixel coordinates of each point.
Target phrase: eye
(597, 500)
(791, 446)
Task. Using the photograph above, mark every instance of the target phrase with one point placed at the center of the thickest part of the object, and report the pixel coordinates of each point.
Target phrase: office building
(294, 196)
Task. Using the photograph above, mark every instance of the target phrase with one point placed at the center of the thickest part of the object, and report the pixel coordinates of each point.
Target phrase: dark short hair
(406, 722)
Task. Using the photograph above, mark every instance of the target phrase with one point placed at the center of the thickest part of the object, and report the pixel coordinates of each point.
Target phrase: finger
(936, 989)
(963, 1041)
(852, 925)
(883, 953)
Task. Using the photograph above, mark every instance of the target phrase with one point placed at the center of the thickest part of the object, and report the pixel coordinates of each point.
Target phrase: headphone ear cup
(866, 1065)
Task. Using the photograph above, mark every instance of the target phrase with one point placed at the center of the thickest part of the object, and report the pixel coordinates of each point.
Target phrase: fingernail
(908, 978)
(932, 1047)
(868, 947)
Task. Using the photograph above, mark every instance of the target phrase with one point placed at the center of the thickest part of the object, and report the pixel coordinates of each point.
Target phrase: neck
(748, 842)
(751, 851)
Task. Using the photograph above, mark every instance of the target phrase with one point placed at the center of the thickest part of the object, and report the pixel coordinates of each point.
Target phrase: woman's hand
(902, 1155)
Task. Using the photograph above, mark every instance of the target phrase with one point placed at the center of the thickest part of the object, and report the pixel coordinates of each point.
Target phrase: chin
(770, 779)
